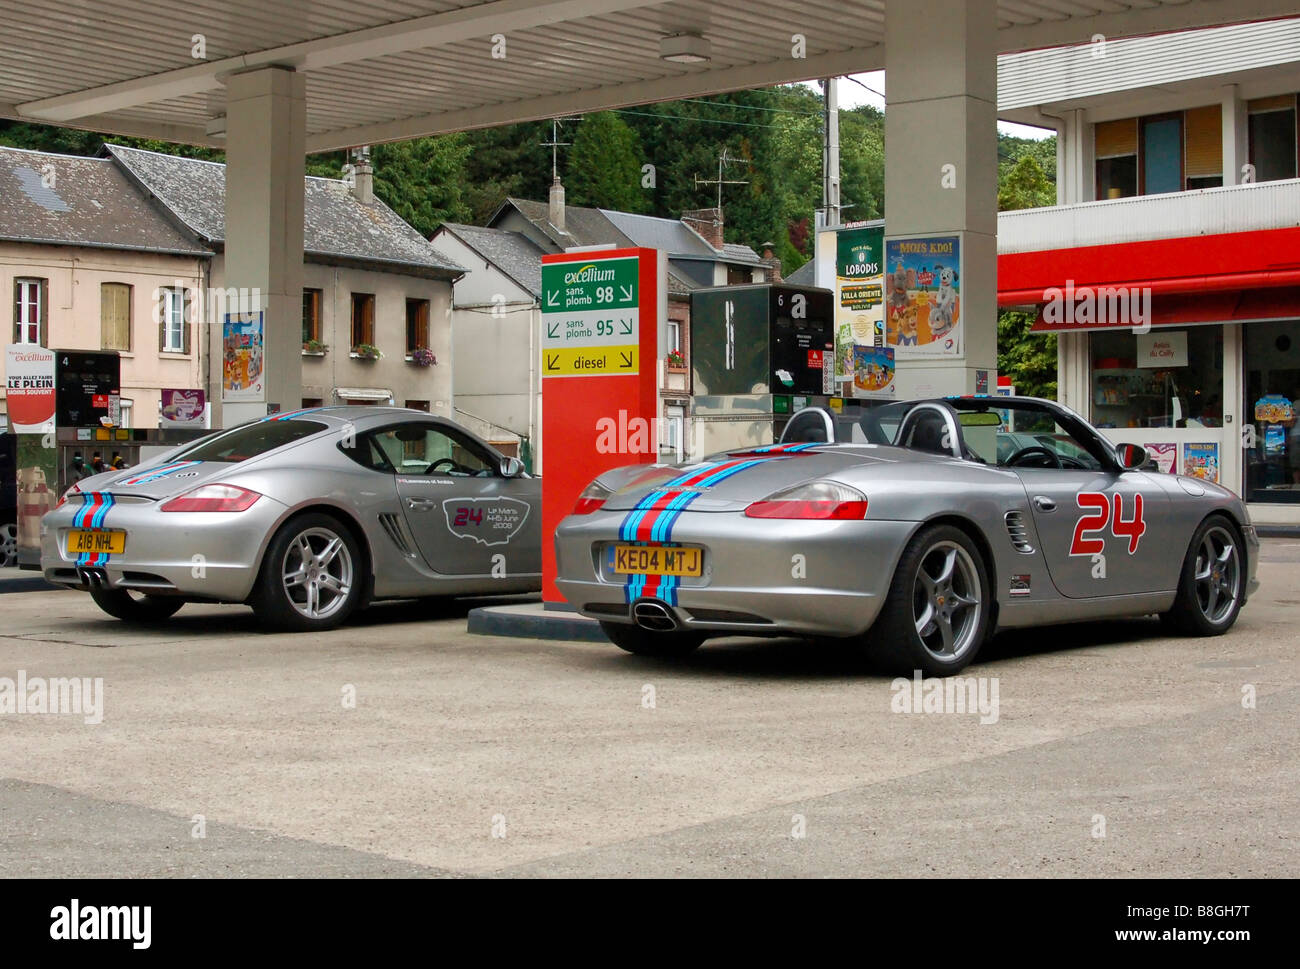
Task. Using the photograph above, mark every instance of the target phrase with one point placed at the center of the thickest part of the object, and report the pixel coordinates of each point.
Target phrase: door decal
(489, 521)
(1100, 516)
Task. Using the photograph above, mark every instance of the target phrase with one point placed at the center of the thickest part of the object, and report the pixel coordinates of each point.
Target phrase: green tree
(1023, 184)
(423, 180)
(604, 165)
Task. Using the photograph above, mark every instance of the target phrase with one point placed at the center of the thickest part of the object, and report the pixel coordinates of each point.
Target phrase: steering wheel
(451, 462)
(1052, 456)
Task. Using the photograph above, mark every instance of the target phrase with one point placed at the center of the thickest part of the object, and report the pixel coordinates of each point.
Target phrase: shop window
(1162, 154)
(1272, 130)
(311, 302)
(363, 319)
(417, 325)
(1165, 378)
(115, 316)
(1271, 364)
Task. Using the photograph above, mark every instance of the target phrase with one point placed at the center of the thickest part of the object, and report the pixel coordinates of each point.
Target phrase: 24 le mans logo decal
(491, 521)
(1101, 516)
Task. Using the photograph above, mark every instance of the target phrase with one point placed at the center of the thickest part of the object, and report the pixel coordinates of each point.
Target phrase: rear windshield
(251, 440)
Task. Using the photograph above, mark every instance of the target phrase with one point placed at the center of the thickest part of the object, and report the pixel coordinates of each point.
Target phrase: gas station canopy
(387, 70)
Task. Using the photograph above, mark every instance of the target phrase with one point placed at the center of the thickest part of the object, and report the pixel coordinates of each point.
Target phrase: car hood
(732, 479)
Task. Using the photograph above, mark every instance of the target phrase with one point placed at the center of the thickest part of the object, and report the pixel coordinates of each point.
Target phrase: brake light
(74, 490)
(818, 500)
(592, 498)
(213, 497)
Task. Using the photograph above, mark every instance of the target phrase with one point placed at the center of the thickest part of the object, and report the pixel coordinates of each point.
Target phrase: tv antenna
(555, 144)
(723, 161)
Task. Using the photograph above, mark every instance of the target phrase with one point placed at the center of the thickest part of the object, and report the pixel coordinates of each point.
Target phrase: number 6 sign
(1101, 516)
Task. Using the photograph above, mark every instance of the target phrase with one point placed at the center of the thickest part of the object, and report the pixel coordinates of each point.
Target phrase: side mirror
(1131, 456)
(511, 467)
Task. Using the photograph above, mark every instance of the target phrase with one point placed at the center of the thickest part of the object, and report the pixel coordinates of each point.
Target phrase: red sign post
(602, 311)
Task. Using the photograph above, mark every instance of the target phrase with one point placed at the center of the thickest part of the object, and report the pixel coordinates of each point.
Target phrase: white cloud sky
(853, 93)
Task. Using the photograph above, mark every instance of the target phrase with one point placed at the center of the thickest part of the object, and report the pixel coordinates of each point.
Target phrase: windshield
(251, 440)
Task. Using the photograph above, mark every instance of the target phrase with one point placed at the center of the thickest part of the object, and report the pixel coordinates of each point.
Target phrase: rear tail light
(592, 498)
(74, 490)
(822, 500)
(213, 497)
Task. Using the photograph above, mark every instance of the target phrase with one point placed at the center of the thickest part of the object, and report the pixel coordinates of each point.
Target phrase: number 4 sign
(1100, 517)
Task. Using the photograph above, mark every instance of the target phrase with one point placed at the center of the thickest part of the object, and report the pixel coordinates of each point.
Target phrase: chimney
(555, 211)
(708, 223)
(363, 175)
(772, 262)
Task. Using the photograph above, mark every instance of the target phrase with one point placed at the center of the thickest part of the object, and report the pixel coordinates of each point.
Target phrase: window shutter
(1278, 103)
(107, 316)
(1204, 138)
(43, 288)
(185, 322)
(162, 321)
(370, 319)
(1114, 138)
(18, 312)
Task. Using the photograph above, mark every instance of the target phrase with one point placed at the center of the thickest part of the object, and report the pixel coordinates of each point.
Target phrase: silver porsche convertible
(306, 516)
(916, 528)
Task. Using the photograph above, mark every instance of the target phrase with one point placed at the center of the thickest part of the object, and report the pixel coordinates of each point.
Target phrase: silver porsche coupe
(916, 528)
(306, 516)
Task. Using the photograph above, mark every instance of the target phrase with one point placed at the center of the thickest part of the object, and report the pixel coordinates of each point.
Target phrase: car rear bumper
(199, 555)
(762, 577)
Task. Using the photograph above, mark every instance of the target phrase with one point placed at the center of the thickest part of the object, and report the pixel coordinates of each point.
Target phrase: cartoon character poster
(873, 371)
(859, 297)
(1201, 461)
(1165, 455)
(923, 296)
(242, 357)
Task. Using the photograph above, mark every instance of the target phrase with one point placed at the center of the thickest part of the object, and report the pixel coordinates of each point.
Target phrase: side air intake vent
(1019, 532)
(397, 531)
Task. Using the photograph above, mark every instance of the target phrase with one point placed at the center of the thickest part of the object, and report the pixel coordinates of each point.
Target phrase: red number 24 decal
(1101, 516)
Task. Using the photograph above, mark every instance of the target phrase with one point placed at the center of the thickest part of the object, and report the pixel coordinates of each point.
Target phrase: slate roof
(514, 254)
(70, 200)
(805, 275)
(335, 225)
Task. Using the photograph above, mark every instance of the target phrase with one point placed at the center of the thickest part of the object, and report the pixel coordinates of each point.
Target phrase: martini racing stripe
(653, 518)
(290, 415)
(94, 509)
(153, 474)
(784, 448)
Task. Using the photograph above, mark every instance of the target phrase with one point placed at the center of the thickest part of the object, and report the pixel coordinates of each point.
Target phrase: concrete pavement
(1116, 752)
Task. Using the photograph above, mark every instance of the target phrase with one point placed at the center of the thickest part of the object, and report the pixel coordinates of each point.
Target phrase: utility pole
(831, 152)
(720, 181)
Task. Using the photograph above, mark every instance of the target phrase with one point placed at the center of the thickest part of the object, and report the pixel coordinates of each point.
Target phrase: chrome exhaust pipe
(654, 616)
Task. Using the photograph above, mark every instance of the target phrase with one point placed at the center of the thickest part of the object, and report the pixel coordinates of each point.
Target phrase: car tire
(940, 579)
(1212, 583)
(644, 642)
(311, 576)
(136, 607)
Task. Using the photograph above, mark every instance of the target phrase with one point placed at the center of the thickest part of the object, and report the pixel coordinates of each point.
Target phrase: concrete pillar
(1235, 136)
(266, 131)
(941, 111)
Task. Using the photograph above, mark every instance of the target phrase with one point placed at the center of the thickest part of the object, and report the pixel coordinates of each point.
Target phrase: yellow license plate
(657, 560)
(96, 542)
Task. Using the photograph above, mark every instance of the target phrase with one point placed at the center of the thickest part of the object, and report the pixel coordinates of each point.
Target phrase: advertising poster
(923, 296)
(1165, 455)
(29, 388)
(242, 356)
(873, 371)
(1201, 461)
(182, 408)
(859, 298)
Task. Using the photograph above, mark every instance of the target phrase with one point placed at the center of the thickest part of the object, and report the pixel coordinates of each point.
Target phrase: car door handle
(1044, 503)
(420, 504)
